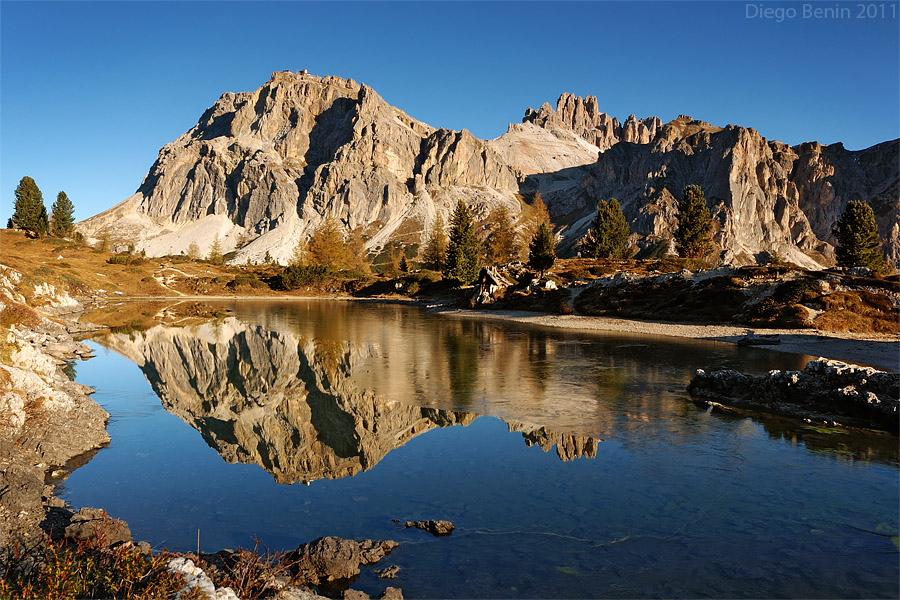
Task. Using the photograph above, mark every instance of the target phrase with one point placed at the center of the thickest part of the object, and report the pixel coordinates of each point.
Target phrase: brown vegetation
(85, 569)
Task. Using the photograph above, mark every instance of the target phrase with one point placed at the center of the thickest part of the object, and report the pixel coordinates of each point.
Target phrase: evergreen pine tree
(608, 235)
(542, 250)
(215, 252)
(692, 238)
(434, 255)
(43, 223)
(30, 213)
(858, 244)
(463, 260)
(62, 219)
(500, 245)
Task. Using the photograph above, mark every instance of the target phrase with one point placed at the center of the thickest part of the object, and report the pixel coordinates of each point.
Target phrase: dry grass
(858, 311)
(18, 314)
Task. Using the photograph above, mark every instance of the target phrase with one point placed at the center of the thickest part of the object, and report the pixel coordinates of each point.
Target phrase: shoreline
(882, 352)
(879, 351)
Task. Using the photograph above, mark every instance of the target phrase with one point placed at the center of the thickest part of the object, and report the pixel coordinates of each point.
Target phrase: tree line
(30, 214)
(461, 253)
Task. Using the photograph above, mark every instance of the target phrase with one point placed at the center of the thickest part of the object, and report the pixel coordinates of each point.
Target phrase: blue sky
(89, 91)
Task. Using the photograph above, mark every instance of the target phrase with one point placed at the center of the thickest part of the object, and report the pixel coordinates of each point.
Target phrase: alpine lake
(573, 465)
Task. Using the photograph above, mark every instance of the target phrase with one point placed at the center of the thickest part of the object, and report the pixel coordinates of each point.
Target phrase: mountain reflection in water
(316, 390)
(289, 403)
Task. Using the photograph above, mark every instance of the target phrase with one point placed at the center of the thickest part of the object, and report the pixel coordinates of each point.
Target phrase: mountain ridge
(261, 169)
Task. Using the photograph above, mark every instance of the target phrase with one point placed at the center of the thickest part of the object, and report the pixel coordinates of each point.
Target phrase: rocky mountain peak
(583, 116)
(262, 169)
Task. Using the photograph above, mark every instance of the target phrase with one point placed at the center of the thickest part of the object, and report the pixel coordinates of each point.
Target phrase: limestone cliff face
(261, 169)
(765, 196)
(288, 403)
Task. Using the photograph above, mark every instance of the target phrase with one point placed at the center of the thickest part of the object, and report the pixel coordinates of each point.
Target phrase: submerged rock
(390, 593)
(388, 572)
(826, 390)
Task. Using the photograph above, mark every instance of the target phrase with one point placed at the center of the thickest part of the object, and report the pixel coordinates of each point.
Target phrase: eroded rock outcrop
(583, 116)
(766, 196)
(48, 423)
(825, 390)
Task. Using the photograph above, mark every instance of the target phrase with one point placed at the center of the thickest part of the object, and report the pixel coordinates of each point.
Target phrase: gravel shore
(879, 351)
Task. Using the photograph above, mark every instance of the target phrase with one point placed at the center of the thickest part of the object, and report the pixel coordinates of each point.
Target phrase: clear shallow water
(392, 413)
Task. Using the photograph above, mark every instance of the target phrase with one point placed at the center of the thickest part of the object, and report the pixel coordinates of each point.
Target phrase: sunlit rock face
(289, 403)
(765, 196)
(262, 169)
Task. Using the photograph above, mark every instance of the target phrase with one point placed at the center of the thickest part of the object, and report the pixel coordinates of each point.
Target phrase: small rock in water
(437, 528)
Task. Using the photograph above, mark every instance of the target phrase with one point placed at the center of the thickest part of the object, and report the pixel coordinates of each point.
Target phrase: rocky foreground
(47, 421)
(825, 391)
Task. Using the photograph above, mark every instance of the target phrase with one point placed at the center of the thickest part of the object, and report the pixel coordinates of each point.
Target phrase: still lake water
(573, 465)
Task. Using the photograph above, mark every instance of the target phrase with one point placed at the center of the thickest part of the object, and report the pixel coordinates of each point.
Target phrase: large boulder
(331, 558)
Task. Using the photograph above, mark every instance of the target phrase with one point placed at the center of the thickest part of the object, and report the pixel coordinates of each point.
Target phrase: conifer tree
(692, 238)
(62, 218)
(215, 252)
(542, 250)
(532, 218)
(434, 254)
(355, 254)
(30, 213)
(858, 244)
(463, 260)
(500, 245)
(326, 245)
(608, 235)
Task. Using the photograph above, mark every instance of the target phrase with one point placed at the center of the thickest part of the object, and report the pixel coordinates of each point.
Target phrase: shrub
(797, 291)
(295, 276)
(65, 569)
(124, 259)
